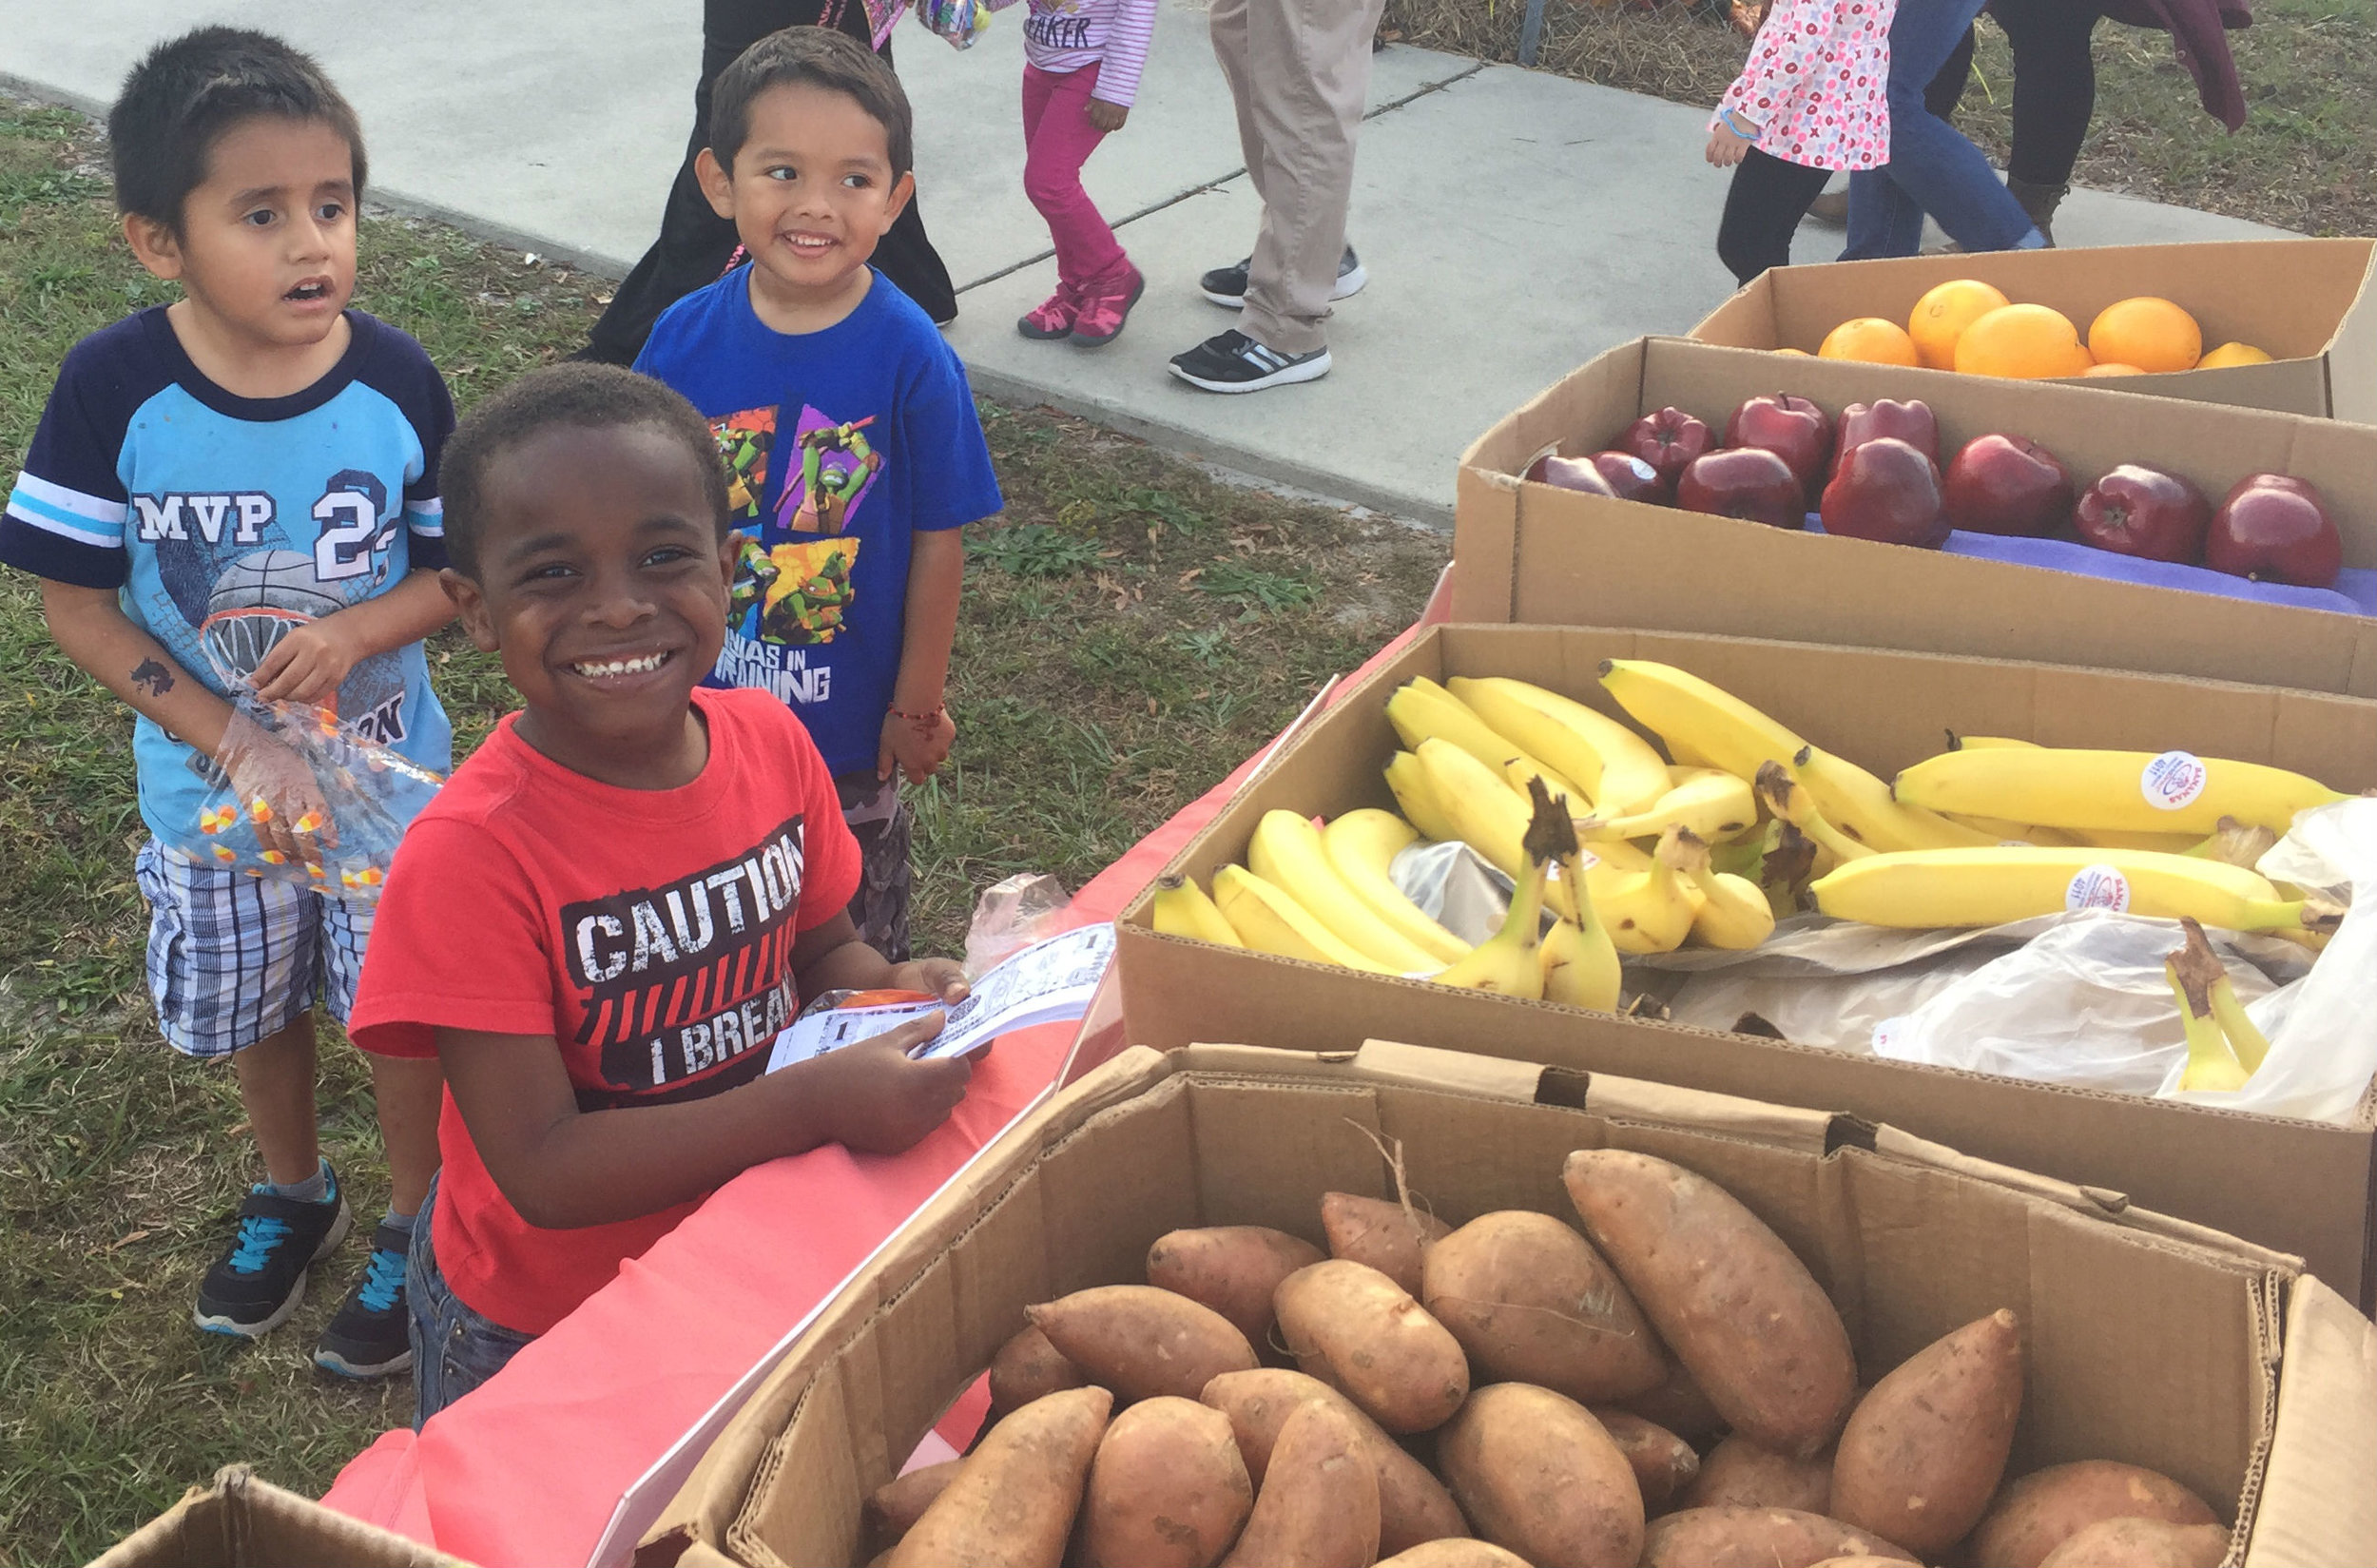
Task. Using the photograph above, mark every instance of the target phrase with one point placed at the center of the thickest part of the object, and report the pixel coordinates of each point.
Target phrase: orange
(1940, 317)
(2232, 353)
(2154, 335)
(1872, 339)
(2026, 341)
(2108, 367)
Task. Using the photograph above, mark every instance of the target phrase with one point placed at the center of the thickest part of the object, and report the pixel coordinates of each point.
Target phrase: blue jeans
(454, 1350)
(1932, 168)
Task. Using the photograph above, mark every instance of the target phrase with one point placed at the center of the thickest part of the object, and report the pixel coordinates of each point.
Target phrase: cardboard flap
(1426, 1066)
(243, 1522)
(1636, 1100)
(2319, 1497)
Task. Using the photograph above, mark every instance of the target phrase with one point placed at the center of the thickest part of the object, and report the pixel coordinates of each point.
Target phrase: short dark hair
(820, 57)
(188, 91)
(578, 393)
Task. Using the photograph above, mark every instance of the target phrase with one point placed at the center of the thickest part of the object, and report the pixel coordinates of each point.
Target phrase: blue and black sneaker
(257, 1284)
(368, 1337)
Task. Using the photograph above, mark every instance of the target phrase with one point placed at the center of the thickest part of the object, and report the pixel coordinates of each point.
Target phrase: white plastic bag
(1011, 916)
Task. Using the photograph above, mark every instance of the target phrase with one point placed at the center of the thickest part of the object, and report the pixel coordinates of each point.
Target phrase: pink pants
(1059, 138)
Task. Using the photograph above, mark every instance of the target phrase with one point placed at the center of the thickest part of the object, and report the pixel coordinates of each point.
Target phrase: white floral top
(1816, 84)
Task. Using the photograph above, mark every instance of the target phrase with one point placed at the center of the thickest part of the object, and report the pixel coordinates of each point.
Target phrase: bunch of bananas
(1637, 854)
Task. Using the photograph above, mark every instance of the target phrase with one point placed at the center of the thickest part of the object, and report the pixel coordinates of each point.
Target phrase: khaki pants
(1299, 71)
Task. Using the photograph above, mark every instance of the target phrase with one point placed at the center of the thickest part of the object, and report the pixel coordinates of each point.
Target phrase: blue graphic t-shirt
(225, 521)
(840, 445)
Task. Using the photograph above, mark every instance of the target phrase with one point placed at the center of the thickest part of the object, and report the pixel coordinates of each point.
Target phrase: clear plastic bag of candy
(958, 23)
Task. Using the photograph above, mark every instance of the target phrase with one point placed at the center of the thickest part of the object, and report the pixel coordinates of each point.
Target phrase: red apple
(2141, 511)
(2273, 529)
(1793, 429)
(2007, 484)
(1667, 440)
(1570, 474)
(1910, 422)
(1746, 482)
(1632, 478)
(1887, 490)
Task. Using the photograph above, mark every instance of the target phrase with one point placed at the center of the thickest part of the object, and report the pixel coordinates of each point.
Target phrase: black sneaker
(368, 1338)
(1232, 361)
(1226, 286)
(260, 1280)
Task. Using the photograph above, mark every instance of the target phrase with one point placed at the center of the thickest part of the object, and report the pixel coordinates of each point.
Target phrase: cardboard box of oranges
(2280, 324)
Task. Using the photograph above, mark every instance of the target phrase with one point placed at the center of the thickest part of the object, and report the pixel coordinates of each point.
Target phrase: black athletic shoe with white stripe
(1232, 361)
(1226, 286)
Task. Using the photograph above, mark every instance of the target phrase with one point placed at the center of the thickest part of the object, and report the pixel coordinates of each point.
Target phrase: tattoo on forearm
(152, 677)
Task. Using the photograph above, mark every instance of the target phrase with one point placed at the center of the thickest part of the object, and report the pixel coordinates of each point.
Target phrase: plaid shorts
(881, 823)
(232, 958)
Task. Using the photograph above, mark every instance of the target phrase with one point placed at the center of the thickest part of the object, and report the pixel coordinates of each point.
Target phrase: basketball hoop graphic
(257, 600)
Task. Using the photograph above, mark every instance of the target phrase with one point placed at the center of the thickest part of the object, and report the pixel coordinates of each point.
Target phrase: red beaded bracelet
(930, 715)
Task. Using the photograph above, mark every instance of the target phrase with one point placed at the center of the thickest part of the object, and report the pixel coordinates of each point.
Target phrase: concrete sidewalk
(1514, 223)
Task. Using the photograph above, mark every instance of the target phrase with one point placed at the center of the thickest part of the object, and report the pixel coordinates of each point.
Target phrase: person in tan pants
(1299, 71)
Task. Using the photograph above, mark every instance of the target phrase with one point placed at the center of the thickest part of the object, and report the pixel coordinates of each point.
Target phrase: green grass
(2306, 160)
(1132, 629)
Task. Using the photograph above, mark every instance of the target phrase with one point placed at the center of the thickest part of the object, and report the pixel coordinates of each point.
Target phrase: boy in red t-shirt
(603, 919)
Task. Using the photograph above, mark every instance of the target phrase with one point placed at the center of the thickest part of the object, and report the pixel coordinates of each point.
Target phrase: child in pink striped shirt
(1813, 99)
(1080, 76)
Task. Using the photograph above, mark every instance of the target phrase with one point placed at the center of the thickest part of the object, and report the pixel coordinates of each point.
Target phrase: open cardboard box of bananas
(2143, 1340)
(2297, 1185)
(1536, 555)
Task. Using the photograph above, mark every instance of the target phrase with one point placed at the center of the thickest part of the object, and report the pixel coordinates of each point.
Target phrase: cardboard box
(2306, 302)
(1531, 553)
(2301, 1188)
(243, 1522)
(2150, 1340)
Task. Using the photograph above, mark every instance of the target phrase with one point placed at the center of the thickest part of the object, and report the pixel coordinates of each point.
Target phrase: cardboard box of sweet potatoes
(1779, 1318)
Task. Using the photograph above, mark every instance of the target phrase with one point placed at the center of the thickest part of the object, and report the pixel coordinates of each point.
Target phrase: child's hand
(1108, 117)
(265, 772)
(307, 665)
(916, 745)
(877, 1100)
(939, 977)
(1727, 147)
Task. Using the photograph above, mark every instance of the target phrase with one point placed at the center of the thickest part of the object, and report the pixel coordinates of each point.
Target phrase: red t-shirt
(648, 932)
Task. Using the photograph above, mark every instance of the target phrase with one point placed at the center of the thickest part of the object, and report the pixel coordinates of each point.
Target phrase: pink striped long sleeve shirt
(1063, 36)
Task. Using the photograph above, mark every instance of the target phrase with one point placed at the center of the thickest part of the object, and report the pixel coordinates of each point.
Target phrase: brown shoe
(1831, 207)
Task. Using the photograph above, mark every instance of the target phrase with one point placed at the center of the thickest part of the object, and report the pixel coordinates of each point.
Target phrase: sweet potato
(2141, 1544)
(1922, 1454)
(1168, 1488)
(1679, 1405)
(1664, 1463)
(1413, 1506)
(1532, 1302)
(1142, 1341)
(1861, 1559)
(1318, 1505)
(1757, 1537)
(1233, 1269)
(1741, 1474)
(1012, 1500)
(1537, 1476)
(1360, 1333)
(1028, 1368)
(2038, 1513)
(892, 1510)
(1454, 1552)
(1385, 1235)
(1725, 1294)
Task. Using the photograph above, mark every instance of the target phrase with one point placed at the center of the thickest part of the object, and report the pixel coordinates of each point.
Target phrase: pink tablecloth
(527, 1469)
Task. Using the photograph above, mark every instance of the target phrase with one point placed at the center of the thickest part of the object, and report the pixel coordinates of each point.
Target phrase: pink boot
(1052, 318)
(1105, 305)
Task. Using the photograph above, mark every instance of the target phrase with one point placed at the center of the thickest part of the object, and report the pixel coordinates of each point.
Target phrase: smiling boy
(240, 489)
(850, 429)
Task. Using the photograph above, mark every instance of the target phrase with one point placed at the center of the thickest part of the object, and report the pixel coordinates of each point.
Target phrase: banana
(2236, 843)
(1268, 920)
(2162, 843)
(1580, 964)
(1987, 742)
(1685, 756)
(1997, 830)
(2118, 791)
(1420, 709)
(1517, 771)
(1510, 962)
(1732, 913)
(1651, 910)
(1618, 769)
(1786, 800)
(1483, 812)
(1181, 909)
(1745, 854)
(1286, 851)
(1980, 887)
(2197, 976)
(1414, 793)
(1363, 845)
(1782, 877)
(1860, 805)
(1681, 708)
(1710, 803)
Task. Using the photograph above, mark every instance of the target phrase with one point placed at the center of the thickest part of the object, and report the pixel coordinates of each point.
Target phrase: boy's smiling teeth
(641, 663)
